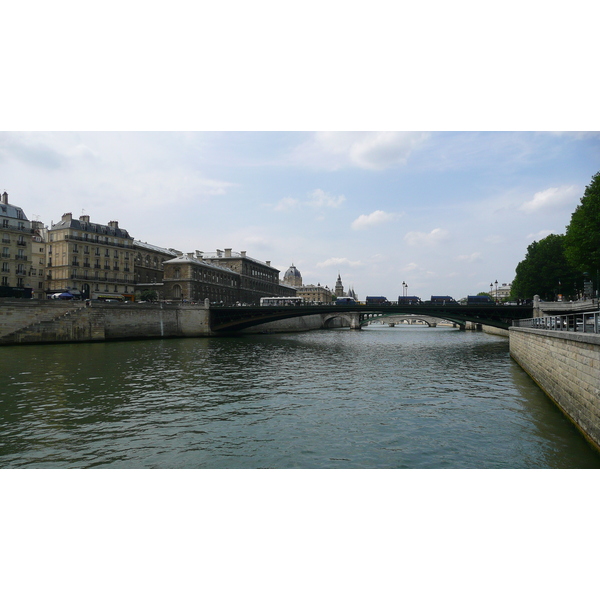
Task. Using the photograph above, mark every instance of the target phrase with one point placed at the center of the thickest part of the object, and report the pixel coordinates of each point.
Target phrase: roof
(292, 272)
(13, 212)
(185, 259)
(91, 227)
(146, 246)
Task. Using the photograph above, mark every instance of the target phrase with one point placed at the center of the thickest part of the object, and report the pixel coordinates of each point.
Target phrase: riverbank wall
(39, 322)
(566, 366)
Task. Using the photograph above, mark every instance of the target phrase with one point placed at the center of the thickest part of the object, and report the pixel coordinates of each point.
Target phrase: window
(5, 268)
(4, 222)
(5, 252)
(20, 282)
(4, 280)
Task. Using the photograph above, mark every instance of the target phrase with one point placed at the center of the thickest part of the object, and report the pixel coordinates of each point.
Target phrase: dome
(292, 272)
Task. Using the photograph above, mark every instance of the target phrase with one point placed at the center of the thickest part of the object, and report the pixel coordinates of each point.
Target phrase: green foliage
(582, 238)
(545, 271)
(149, 295)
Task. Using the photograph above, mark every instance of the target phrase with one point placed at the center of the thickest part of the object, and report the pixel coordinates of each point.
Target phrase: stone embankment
(37, 322)
(566, 366)
(52, 321)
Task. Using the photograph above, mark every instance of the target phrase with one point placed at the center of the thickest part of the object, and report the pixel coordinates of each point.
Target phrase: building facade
(89, 260)
(292, 277)
(315, 294)
(257, 279)
(190, 279)
(149, 268)
(37, 273)
(16, 250)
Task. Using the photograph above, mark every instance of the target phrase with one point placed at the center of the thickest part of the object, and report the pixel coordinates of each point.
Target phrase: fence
(588, 322)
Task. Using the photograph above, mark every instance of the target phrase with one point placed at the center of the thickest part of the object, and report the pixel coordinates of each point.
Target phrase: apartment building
(90, 260)
(16, 250)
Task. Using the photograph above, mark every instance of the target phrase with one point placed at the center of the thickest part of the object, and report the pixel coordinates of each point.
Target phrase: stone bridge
(236, 318)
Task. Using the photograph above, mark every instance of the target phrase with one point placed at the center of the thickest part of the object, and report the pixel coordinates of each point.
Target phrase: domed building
(292, 277)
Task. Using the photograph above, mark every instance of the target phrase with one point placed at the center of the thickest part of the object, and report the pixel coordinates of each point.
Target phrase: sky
(447, 213)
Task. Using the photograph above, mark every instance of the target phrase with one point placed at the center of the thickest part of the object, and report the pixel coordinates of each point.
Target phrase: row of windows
(20, 281)
(21, 241)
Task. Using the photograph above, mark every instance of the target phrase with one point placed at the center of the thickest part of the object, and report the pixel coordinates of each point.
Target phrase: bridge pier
(354, 321)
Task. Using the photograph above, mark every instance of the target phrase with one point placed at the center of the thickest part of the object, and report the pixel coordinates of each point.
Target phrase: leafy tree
(545, 271)
(582, 238)
(149, 295)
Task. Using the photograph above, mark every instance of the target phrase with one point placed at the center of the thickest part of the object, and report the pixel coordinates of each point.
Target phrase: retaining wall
(35, 322)
(566, 366)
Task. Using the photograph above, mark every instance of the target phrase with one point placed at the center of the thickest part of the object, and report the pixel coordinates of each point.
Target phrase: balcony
(21, 243)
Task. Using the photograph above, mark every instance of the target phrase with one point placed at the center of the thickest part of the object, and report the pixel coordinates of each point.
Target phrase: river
(385, 398)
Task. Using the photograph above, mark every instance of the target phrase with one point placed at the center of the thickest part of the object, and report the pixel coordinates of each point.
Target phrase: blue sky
(446, 212)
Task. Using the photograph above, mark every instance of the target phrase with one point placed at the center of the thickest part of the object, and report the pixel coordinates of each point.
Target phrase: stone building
(292, 277)
(189, 278)
(257, 279)
(316, 294)
(149, 267)
(16, 250)
(90, 260)
(37, 277)
(224, 277)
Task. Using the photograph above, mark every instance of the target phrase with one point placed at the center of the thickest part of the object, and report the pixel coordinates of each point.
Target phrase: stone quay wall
(566, 366)
(53, 321)
(38, 322)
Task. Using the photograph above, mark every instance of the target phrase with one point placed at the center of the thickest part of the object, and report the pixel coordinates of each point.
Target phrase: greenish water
(403, 397)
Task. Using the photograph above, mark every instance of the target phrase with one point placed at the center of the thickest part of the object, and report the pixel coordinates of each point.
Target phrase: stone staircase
(75, 324)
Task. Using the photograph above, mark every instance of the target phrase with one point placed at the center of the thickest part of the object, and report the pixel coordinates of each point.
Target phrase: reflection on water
(403, 397)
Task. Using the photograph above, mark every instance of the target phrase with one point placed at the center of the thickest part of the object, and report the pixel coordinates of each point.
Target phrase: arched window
(176, 292)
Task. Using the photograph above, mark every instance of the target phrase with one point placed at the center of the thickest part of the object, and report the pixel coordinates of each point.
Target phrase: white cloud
(470, 257)
(550, 198)
(330, 262)
(494, 239)
(377, 217)
(322, 199)
(540, 234)
(417, 238)
(286, 204)
(366, 150)
(318, 199)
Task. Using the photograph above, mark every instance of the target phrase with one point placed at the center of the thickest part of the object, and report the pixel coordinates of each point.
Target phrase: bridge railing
(588, 322)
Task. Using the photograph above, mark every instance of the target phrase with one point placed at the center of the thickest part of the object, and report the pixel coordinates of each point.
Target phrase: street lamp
(491, 288)
(496, 282)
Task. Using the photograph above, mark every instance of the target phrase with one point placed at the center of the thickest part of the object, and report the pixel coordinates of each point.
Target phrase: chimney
(84, 218)
(243, 253)
(227, 252)
(199, 254)
(219, 253)
(268, 263)
(114, 224)
(4, 198)
(190, 255)
(67, 216)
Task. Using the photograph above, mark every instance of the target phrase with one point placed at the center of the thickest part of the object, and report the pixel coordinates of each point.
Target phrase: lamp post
(491, 288)
(496, 282)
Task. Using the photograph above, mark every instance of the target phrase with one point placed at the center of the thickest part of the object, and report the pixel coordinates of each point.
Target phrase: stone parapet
(566, 366)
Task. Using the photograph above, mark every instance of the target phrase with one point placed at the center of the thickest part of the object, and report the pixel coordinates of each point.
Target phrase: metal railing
(588, 322)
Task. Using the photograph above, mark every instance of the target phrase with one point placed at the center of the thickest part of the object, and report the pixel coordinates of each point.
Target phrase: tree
(582, 238)
(149, 295)
(545, 271)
